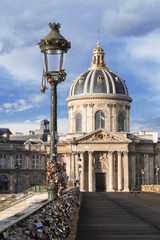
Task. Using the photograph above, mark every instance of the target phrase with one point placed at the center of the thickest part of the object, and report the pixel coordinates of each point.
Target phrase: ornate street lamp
(53, 46)
(142, 172)
(74, 144)
(79, 168)
(157, 174)
(17, 176)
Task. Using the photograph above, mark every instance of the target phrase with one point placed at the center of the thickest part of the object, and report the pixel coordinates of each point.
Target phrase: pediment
(102, 136)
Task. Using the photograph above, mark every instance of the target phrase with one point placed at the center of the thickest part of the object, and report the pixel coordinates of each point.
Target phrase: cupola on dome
(98, 80)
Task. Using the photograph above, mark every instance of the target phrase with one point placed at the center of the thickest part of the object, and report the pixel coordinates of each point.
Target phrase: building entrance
(100, 182)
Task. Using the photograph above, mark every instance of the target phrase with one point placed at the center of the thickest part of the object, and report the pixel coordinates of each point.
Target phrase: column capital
(81, 152)
(70, 107)
(68, 153)
(85, 105)
(119, 152)
(91, 105)
(125, 153)
(90, 152)
(110, 152)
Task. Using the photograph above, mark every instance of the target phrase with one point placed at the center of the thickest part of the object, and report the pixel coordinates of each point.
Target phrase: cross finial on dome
(98, 44)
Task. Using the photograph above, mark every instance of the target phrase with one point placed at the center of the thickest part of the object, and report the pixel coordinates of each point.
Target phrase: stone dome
(98, 80)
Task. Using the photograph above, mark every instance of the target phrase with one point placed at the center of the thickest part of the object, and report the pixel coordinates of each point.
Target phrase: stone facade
(112, 158)
(23, 160)
(21, 166)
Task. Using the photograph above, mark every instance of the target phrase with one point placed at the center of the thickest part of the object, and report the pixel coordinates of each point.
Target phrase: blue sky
(129, 35)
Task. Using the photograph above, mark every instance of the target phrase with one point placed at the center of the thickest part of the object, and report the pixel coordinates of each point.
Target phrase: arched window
(120, 122)
(79, 122)
(99, 120)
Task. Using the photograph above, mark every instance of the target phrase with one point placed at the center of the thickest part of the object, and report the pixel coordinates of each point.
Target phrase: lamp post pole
(79, 168)
(53, 122)
(17, 175)
(157, 174)
(75, 169)
(142, 172)
(74, 144)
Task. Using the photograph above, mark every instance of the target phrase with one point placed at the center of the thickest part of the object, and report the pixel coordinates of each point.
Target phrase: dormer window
(99, 77)
(117, 79)
(80, 79)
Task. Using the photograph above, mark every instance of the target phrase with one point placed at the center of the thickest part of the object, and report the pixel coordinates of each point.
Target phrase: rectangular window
(35, 161)
(138, 179)
(3, 163)
(19, 160)
(138, 159)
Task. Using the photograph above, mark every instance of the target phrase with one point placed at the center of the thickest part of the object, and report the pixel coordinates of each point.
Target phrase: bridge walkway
(118, 216)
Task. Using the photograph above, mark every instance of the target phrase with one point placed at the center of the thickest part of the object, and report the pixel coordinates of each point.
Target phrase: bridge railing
(52, 218)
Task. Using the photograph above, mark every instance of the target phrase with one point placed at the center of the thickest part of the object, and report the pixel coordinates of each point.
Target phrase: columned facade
(112, 158)
(116, 178)
(102, 167)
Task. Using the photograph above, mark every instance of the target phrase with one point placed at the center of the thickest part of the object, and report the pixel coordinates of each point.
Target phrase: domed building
(112, 158)
(99, 99)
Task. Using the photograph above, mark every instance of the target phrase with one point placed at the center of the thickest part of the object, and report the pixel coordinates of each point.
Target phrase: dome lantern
(98, 58)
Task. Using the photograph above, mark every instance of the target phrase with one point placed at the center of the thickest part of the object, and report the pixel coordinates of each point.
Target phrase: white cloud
(41, 117)
(62, 125)
(21, 63)
(35, 100)
(145, 48)
(28, 125)
(20, 127)
(132, 18)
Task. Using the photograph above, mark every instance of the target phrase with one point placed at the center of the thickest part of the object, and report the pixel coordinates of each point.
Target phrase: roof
(5, 130)
(98, 80)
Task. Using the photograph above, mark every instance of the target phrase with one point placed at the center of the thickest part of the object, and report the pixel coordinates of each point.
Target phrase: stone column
(90, 126)
(82, 173)
(114, 122)
(109, 127)
(70, 108)
(11, 161)
(151, 169)
(110, 159)
(27, 161)
(133, 168)
(90, 173)
(126, 172)
(85, 118)
(68, 165)
(27, 181)
(119, 171)
(146, 169)
(126, 120)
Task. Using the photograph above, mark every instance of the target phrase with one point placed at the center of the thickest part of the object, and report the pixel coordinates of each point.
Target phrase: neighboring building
(23, 159)
(112, 158)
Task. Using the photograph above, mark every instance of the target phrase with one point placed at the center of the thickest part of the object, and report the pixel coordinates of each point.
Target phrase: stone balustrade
(150, 188)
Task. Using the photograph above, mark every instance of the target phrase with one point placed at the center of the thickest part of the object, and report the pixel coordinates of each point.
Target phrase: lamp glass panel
(52, 62)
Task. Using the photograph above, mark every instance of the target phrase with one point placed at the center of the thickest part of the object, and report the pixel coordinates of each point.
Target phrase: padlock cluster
(56, 175)
(52, 222)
